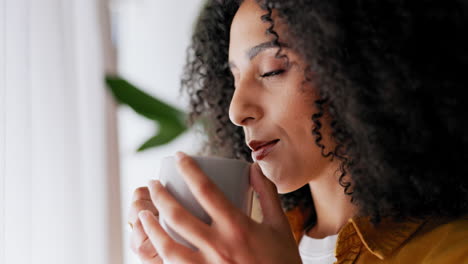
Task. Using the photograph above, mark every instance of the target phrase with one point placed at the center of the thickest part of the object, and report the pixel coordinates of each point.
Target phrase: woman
(351, 110)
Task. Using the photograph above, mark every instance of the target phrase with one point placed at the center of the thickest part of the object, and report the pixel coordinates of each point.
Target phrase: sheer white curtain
(59, 184)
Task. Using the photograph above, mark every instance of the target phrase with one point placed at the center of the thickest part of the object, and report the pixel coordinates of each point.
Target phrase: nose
(245, 106)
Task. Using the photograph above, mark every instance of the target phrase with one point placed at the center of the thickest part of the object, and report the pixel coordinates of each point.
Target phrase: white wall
(152, 36)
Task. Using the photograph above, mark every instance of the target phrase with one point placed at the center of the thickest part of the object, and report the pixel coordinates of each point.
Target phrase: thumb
(270, 203)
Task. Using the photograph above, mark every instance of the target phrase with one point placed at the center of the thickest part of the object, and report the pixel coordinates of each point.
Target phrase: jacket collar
(381, 240)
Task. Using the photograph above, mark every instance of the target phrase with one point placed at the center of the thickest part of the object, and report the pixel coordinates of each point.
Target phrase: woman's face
(271, 102)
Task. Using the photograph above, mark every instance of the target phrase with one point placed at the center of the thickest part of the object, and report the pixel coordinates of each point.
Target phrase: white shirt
(317, 251)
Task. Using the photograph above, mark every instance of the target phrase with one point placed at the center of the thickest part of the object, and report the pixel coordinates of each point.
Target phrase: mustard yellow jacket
(429, 241)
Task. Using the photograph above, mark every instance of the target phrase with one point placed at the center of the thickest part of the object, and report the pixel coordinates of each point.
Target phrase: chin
(282, 189)
(283, 185)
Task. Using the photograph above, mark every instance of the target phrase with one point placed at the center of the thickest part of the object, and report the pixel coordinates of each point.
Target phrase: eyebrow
(254, 51)
(259, 48)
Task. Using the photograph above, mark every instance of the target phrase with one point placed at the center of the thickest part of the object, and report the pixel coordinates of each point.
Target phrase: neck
(333, 208)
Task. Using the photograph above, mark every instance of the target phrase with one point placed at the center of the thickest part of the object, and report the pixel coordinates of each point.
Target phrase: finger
(206, 192)
(140, 244)
(140, 205)
(168, 249)
(177, 217)
(141, 193)
(270, 203)
(156, 260)
(149, 258)
(146, 250)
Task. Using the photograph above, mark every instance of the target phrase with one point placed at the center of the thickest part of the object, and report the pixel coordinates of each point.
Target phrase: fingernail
(152, 183)
(179, 155)
(129, 227)
(143, 215)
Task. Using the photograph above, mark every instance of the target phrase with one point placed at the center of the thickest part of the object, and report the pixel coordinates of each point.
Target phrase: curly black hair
(392, 76)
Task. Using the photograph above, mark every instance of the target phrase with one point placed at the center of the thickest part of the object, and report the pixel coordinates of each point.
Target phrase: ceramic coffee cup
(230, 175)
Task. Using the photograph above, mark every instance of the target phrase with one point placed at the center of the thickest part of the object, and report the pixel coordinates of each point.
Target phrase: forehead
(247, 29)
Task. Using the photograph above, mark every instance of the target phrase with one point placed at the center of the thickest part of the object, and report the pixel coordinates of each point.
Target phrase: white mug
(230, 175)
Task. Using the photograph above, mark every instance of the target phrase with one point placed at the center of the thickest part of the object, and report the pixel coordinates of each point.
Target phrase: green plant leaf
(168, 131)
(141, 102)
(171, 121)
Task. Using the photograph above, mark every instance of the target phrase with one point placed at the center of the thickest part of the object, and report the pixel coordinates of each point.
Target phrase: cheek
(296, 121)
(300, 156)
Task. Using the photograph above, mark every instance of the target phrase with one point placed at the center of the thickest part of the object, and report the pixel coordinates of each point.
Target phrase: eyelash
(272, 73)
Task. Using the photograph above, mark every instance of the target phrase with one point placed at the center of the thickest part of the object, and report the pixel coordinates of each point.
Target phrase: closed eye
(272, 73)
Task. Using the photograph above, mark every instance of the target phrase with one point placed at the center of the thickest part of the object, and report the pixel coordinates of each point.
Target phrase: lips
(261, 149)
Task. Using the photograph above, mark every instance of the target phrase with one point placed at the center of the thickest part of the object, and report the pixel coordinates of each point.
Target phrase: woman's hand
(139, 242)
(232, 237)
